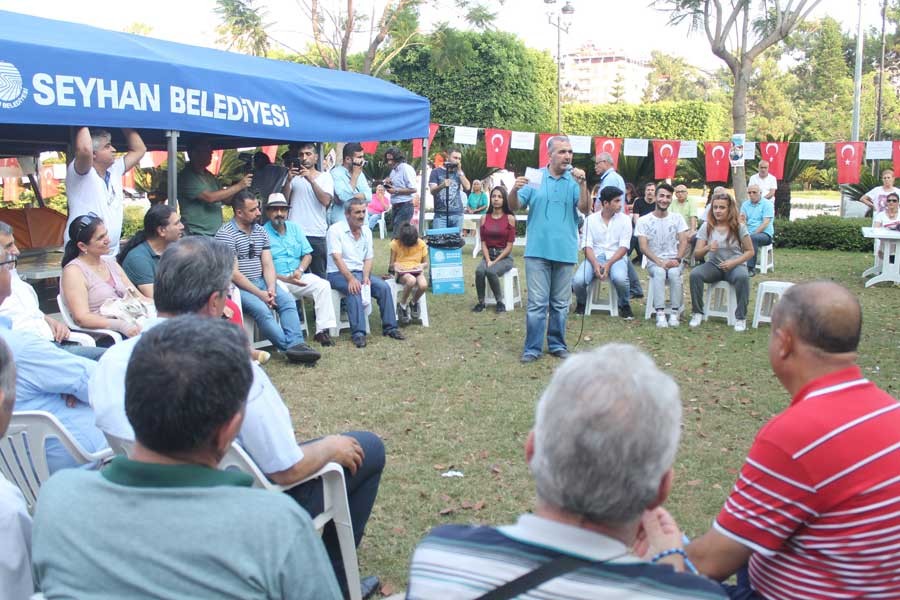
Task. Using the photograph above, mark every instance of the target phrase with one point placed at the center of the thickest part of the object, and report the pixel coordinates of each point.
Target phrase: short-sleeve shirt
(306, 210)
(354, 252)
(140, 264)
(90, 193)
(642, 207)
(765, 185)
(757, 213)
(605, 239)
(449, 199)
(402, 176)
(685, 209)
(816, 499)
(246, 247)
(728, 246)
(662, 234)
(477, 200)
(882, 218)
(878, 196)
(611, 178)
(552, 232)
(287, 249)
(409, 257)
(199, 217)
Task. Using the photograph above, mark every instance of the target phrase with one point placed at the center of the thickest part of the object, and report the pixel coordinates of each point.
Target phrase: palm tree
(242, 27)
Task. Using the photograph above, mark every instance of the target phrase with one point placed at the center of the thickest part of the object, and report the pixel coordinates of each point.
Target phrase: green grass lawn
(454, 396)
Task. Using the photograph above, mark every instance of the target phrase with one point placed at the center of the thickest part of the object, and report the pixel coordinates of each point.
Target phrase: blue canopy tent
(56, 75)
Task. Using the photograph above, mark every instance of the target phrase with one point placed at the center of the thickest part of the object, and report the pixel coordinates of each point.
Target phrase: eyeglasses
(752, 191)
(893, 200)
(9, 261)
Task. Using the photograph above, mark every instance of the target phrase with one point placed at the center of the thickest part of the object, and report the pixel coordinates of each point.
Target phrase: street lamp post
(561, 28)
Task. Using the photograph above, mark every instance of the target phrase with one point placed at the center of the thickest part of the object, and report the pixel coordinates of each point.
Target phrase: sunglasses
(84, 222)
(251, 252)
(893, 200)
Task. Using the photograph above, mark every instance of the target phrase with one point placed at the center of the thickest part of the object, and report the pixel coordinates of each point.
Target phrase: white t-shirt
(880, 218)
(878, 196)
(606, 239)
(306, 210)
(765, 185)
(22, 308)
(90, 193)
(15, 543)
(266, 434)
(662, 234)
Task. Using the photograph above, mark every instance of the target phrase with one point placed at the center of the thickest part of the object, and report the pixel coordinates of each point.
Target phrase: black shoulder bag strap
(532, 579)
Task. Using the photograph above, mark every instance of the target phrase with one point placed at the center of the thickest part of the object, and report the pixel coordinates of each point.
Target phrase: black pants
(319, 262)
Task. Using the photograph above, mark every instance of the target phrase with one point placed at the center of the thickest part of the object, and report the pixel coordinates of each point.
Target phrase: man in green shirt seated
(200, 195)
(166, 523)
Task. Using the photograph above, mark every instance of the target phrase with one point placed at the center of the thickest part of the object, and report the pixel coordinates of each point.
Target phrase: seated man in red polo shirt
(814, 512)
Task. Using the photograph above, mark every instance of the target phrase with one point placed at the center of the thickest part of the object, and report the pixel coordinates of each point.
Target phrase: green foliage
(672, 79)
(132, 221)
(242, 27)
(474, 159)
(823, 233)
(693, 120)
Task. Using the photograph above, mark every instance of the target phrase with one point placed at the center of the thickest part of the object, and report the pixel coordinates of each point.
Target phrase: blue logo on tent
(12, 94)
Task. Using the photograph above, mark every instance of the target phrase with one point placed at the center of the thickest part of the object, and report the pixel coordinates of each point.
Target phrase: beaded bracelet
(687, 562)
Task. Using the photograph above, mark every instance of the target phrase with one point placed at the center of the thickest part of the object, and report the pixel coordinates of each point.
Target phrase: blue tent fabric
(55, 75)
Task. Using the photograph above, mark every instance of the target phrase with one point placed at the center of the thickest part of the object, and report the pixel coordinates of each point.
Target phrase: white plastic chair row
(71, 324)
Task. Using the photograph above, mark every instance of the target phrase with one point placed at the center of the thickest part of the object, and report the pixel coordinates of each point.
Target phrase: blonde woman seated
(726, 244)
(91, 278)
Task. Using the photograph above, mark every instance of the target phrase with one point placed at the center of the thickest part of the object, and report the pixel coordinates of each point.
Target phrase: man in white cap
(292, 254)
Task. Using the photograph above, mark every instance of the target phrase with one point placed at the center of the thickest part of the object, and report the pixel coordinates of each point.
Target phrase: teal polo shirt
(287, 249)
(131, 473)
(552, 231)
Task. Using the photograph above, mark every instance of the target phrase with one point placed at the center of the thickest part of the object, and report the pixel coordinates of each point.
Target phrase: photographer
(445, 184)
(200, 195)
(267, 178)
(349, 181)
(310, 192)
(401, 185)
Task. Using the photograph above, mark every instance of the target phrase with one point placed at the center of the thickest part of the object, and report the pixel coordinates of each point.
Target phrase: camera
(451, 166)
(295, 163)
(246, 159)
(359, 162)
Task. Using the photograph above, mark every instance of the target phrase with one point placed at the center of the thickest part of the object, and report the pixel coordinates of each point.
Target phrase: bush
(692, 120)
(823, 233)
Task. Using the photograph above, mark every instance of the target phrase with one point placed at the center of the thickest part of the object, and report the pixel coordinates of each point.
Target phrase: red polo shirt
(818, 498)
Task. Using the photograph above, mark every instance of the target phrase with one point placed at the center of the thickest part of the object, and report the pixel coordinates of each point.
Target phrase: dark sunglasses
(84, 222)
(251, 251)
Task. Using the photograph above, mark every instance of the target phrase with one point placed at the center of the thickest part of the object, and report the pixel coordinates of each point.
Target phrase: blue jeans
(584, 276)
(443, 220)
(549, 289)
(403, 213)
(373, 220)
(758, 239)
(282, 336)
(89, 352)
(362, 488)
(356, 313)
(743, 590)
(634, 282)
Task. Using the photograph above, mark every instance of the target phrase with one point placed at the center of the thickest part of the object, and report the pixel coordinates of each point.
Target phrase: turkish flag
(543, 154)
(432, 129)
(216, 162)
(611, 145)
(271, 152)
(665, 158)
(417, 147)
(897, 156)
(774, 152)
(717, 160)
(49, 187)
(849, 159)
(497, 146)
(369, 147)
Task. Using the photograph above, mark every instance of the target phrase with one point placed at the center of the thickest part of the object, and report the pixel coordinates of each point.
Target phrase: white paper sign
(465, 135)
(749, 150)
(635, 147)
(878, 150)
(811, 151)
(581, 144)
(688, 149)
(522, 140)
(534, 177)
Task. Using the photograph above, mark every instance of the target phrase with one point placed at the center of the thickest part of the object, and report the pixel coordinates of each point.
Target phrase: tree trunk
(739, 121)
(783, 200)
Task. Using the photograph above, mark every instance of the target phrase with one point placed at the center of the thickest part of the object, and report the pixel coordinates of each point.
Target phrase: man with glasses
(603, 166)
(758, 215)
(254, 275)
(876, 198)
(94, 179)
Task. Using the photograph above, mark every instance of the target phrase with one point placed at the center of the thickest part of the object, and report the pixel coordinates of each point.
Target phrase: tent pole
(172, 166)
(422, 184)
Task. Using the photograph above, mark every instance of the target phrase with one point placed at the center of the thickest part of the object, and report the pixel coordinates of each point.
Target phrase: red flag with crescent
(369, 147)
(717, 160)
(774, 152)
(896, 156)
(543, 154)
(49, 186)
(497, 146)
(665, 158)
(849, 159)
(611, 145)
(216, 162)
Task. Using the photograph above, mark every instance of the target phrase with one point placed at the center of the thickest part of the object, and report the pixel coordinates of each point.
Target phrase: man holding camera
(349, 181)
(200, 195)
(445, 184)
(401, 185)
(310, 192)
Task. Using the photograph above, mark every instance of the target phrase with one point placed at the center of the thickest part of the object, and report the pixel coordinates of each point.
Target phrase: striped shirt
(818, 498)
(247, 248)
(456, 562)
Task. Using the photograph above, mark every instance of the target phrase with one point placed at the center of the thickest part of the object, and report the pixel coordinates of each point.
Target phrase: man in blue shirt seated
(759, 216)
(192, 531)
(601, 452)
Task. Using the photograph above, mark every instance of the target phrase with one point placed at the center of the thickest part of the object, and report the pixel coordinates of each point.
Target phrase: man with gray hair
(601, 453)
(604, 167)
(94, 179)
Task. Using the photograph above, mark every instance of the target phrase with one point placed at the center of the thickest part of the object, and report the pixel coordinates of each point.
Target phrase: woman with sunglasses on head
(498, 232)
(91, 277)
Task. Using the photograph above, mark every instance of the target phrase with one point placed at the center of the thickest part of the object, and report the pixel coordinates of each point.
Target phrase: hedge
(823, 233)
(693, 120)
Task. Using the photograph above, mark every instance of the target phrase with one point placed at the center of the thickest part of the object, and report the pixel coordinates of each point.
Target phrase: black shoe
(302, 353)
(626, 313)
(359, 340)
(636, 295)
(403, 314)
(478, 307)
(528, 358)
(368, 586)
(501, 308)
(579, 309)
(753, 272)
(323, 338)
(561, 353)
(395, 333)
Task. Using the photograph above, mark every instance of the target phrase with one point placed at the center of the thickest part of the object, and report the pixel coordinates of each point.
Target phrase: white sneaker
(696, 320)
(740, 326)
(661, 320)
(673, 319)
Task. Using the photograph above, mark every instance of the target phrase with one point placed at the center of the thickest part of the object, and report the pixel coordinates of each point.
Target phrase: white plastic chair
(71, 324)
(23, 456)
(341, 318)
(767, 296)
(335, 503)
(512, 290)
(423, 301)
(720, 301)
(765, 260)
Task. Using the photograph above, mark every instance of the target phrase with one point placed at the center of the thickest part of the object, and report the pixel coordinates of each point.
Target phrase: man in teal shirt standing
(349, 181)
(551, 249)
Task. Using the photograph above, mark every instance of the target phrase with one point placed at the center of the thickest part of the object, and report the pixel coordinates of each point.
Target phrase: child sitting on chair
(409, 258)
